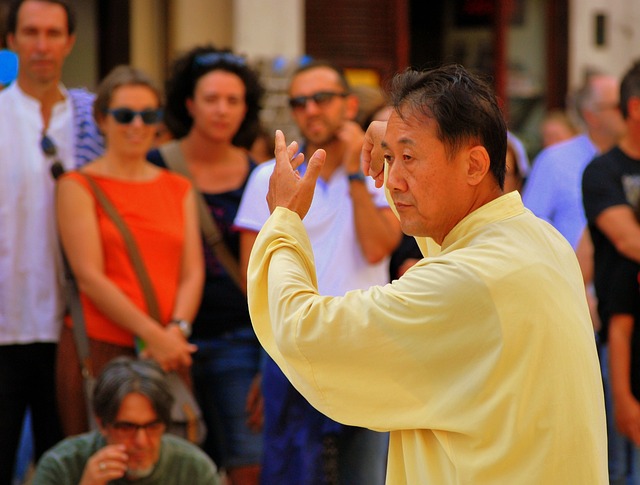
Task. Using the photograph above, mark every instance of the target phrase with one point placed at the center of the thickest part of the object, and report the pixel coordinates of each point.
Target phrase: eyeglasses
(126, 429)
(50, 150)
(321, 98)
(219, 57)
(124, 116)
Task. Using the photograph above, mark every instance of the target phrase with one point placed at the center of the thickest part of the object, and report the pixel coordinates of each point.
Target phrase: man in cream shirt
(481, 359)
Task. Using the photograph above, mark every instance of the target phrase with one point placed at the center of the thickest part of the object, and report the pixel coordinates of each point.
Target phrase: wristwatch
(357, 176)
(183, 325)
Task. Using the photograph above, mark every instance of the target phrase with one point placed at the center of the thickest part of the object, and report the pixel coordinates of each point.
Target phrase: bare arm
(626, 406)
(584, 253)
(620, 226)
(80, 236)
(191, 282)
(377, 229)
(255, 401)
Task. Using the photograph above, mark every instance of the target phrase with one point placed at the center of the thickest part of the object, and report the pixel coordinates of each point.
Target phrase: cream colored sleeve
(357, 357)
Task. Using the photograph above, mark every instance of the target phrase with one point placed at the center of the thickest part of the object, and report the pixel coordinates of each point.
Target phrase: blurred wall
(81, 67)
(269, 27)
(621, 37)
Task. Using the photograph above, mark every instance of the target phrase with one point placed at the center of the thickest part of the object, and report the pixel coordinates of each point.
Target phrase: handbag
(174, 158)
(186, 415)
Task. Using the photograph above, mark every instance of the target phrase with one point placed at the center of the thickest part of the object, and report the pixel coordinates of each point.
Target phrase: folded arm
(80, 237)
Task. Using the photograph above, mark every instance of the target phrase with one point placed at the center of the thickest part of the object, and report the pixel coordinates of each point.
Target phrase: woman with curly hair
(213, 101)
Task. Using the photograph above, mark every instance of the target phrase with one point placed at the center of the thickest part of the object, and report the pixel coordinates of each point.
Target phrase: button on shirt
(31, 305)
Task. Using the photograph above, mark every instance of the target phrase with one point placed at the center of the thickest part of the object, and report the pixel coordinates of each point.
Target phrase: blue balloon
(8, 66)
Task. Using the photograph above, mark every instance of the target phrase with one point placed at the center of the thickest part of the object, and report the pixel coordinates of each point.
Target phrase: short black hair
(463, 105)
(185, 72)
(629, 88)
(123, 376)
(14, 8)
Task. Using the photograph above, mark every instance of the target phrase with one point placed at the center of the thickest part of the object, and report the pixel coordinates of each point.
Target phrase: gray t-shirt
(180, 463)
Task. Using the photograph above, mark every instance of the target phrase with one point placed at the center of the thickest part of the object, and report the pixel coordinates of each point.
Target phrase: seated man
(132, 405)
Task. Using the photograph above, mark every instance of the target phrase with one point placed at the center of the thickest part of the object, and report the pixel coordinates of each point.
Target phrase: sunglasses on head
(124, 116)
(321, 98)
(50, 150)
(219, 57)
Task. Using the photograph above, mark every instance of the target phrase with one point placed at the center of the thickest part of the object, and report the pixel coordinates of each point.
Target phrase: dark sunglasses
(124, 116)
(219, 57)
(50, 150)
(128, 429)
(321, 98)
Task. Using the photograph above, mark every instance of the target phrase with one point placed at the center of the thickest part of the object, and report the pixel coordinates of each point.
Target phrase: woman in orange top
(160, 210)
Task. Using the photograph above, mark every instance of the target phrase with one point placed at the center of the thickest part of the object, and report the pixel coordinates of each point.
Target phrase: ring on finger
(102, 466)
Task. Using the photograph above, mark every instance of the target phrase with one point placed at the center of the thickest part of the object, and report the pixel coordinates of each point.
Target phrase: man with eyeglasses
(353, 232)
(553, 188)
(41, 125)
(132, 405)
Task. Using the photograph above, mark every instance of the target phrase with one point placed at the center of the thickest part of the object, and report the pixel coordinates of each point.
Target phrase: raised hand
(107, 464)
(352, 138)
(286, 187)
(372, 155)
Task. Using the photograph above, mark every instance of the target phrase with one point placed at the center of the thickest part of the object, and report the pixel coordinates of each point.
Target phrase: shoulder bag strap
(174, 158)
(80, 337)
(132, 249)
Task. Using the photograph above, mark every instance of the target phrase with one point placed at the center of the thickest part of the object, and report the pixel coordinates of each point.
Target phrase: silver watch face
(184, 327)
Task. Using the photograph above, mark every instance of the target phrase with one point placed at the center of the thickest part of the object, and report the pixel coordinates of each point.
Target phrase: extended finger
(282, 153)
(314, 167)
(292, 149)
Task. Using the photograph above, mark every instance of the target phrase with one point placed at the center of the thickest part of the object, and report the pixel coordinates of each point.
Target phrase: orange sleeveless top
(154, 212)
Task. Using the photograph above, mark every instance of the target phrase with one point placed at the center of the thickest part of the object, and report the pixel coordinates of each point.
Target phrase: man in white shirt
(37, 115)
(353, 232)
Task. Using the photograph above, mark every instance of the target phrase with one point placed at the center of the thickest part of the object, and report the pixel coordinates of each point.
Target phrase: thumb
(314, 167)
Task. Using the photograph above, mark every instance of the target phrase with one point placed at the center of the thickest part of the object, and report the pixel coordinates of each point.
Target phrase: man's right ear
(10, 42)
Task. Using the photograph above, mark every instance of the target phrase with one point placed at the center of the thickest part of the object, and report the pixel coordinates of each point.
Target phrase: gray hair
(123, 376)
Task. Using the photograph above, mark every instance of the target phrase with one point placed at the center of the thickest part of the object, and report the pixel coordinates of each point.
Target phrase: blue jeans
(304, 447)
(223, 371)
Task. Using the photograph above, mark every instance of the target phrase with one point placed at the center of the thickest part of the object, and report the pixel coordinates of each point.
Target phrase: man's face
(427, 188)
(138, 427)
(605, 116)
(320, 121)
(41, 41)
